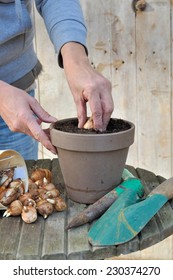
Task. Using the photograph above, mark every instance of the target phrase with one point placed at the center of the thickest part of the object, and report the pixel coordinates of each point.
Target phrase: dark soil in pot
(114, 125)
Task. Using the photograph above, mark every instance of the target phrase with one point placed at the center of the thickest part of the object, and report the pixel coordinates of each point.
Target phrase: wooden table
(47, 239)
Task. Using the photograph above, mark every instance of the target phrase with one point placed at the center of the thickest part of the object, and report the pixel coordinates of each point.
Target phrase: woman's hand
(22, 113)
(87, 85)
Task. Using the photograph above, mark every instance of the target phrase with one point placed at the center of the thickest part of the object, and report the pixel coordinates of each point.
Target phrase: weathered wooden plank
(165, 221)
(150, 233)
(128, 247)
(77, 241)
(30, 240)
(54, 239)
(148, 178)
(46, 163)
(132, 170)
(9, 237)
(100, 253)
(163, 216)
(154, 87)
(57, 177)
(29, 165)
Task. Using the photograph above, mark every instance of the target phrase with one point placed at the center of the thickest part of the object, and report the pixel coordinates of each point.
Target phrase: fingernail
(99, 129)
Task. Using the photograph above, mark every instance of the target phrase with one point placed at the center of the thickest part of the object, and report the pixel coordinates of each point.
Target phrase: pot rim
(89, 142)
(52, 127)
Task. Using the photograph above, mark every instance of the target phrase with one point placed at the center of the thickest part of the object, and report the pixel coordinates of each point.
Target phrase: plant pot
(91, 164)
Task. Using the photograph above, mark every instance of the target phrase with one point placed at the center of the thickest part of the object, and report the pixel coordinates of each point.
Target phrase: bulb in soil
(89, 124)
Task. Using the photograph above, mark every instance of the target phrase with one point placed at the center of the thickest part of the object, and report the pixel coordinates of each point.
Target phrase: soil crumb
(71, 126)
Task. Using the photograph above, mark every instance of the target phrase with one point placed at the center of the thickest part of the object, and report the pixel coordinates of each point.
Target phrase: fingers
(81, 112)
(107, 105)
(43, 136)
(101, 105)
(96, 109)
(40, 112)
(107, 109)
(22, 113)
(101, 111)
(101, 108)
(35, 129)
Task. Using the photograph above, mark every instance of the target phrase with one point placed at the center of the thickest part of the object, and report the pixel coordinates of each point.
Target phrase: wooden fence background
(134, 51)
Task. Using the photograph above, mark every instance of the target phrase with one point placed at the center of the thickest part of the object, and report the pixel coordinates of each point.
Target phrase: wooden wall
(134, 51)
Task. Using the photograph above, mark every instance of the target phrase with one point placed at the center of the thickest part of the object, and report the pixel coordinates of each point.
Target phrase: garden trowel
(98, 208)
(128, 216)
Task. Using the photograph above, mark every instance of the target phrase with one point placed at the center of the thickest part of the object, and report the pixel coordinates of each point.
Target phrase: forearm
(3, 89)
(74, 54)
(2, 84)
(64, 22)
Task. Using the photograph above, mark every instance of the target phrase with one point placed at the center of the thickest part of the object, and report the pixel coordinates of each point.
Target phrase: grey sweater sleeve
(64, 22)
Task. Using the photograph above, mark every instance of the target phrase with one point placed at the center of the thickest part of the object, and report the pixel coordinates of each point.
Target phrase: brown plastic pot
(91, 164)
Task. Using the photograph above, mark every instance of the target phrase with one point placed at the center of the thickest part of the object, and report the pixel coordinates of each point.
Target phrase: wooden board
(48, 239)
(153, 77)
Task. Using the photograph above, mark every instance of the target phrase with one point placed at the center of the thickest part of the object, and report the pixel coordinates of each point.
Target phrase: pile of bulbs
(42, 196)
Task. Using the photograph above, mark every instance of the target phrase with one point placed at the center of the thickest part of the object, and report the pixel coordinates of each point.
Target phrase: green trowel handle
(132, 183)
(165, 188)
